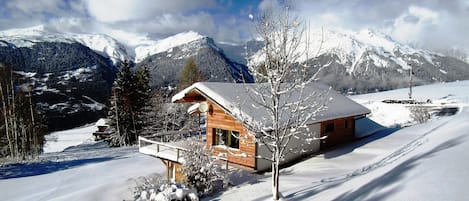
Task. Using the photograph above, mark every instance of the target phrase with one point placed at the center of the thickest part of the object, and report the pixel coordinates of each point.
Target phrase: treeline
(22, 129)
(136, 110)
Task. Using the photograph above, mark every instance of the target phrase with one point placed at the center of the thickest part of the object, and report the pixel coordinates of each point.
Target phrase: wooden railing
(159, 145)
(143, 142)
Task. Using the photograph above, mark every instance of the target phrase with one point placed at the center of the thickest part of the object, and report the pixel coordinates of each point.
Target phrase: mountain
(72, 74)
(367, 61)
(71, 81)
(166, 58)
(99, 43)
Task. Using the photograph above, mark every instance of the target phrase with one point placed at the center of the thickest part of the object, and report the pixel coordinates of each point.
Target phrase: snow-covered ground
(60, 140)
(420, 162)
(74, 167)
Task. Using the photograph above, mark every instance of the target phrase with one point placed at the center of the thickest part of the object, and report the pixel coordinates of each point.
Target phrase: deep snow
(75, 167)
(419, 162)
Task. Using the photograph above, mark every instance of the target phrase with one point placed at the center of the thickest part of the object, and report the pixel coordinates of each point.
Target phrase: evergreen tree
(190, 74)
(121, 114)
(142, 88)
(130, 95)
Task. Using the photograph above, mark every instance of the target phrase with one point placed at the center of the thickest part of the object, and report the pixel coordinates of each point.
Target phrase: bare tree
(23, 126)
(285, 93)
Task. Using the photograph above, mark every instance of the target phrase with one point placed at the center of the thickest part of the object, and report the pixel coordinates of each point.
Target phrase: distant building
(103, 129)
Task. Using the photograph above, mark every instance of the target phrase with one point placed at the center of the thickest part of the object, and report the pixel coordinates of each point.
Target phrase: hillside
(356, 62)
(419, 162)
(368, 61)
(72, 74)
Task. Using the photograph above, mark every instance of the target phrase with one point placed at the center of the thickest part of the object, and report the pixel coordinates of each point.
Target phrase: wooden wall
(217, 118)
(344, 130)
(173, 167)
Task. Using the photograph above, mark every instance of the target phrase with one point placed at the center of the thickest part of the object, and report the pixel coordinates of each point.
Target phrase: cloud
(37, 7)
(410, 26)
(434, 25)
(111, 11)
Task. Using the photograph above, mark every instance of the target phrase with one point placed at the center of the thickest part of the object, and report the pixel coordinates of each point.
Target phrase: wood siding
(171, 168)
(217, 118)
(343, 131)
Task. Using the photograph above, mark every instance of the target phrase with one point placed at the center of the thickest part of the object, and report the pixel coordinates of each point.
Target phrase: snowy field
(404, 162)
(60, 140)
(420, 162)
(75, 167)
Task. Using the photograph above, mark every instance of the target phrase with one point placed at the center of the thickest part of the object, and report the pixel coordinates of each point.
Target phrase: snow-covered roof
(240, 100)
(102, 122)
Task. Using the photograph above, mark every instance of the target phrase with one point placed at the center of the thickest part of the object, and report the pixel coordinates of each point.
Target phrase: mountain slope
(102, 44)
(167, 58)
(70, 81)
(367, 61)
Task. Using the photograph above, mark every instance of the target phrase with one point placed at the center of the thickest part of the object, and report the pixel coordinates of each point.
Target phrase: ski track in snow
(93, 171)
(399, 153)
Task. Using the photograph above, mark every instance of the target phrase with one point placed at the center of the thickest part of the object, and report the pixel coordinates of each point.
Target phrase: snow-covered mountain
(368, 60)
(355, 61)
(166, 58)
(64, 68)
(157, 46)
(102, 44)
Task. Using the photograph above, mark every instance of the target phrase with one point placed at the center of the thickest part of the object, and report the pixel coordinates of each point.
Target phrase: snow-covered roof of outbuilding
(242, 101)
(102, 122)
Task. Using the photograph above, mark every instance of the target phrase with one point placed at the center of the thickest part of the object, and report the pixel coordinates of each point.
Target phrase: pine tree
(121, 114)
(190, 74)
(130, 95)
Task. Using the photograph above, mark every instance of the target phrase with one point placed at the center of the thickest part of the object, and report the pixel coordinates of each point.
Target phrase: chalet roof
(241, 101)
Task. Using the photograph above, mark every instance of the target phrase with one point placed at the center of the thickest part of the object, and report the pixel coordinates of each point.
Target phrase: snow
(95, 105)
(237, 99)
(103, 44)
(137, 47)
(74, 167)
(154, 47)
(60, 140)
(351, 47)
(418, 162)
(102, 178)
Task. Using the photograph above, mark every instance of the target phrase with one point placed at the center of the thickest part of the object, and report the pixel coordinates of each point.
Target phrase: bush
(157, 189)
(201, 170)
(420, 114)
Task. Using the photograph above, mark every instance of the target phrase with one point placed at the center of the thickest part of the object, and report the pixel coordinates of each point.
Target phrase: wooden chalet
(229, 136)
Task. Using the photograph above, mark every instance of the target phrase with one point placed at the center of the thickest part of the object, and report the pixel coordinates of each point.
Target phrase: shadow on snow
(394, 176)
(18, 170)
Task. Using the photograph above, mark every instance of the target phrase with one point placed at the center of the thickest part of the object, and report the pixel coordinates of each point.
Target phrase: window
(226, 137)
(329, 127)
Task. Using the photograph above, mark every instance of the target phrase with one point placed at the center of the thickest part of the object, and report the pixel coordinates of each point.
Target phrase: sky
(431, 24)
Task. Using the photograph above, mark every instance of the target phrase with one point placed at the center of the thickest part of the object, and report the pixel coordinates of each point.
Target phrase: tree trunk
(275, 176)
(117, 116)
(33, 132)
(5, 118)
(12, 116)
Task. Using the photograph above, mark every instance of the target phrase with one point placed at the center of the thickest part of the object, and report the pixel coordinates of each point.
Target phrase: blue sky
(433, 24)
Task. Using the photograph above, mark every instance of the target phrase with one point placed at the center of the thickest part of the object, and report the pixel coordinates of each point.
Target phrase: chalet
(103, 129)
(230, 109)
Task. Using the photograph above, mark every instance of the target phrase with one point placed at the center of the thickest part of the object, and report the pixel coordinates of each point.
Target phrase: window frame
(226, 138)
